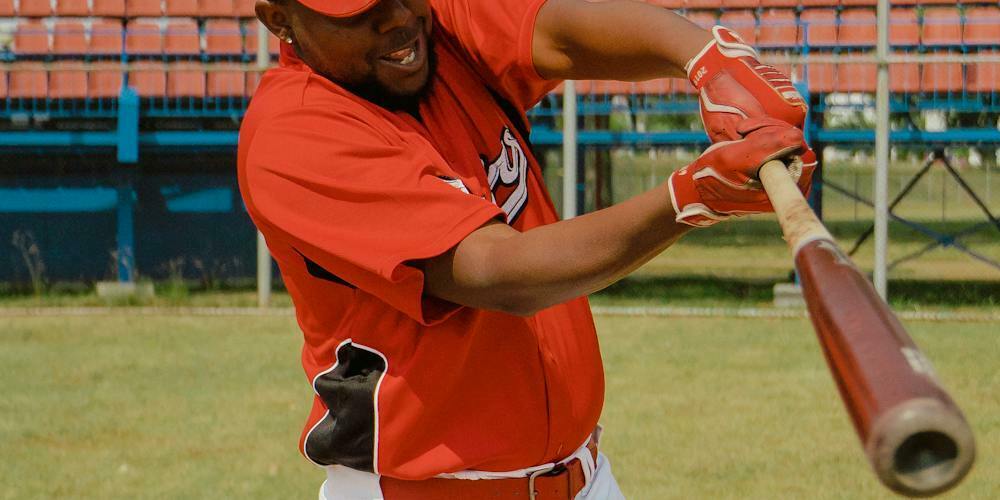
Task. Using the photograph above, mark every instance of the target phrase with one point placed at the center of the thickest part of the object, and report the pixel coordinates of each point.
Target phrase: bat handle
(798, 221)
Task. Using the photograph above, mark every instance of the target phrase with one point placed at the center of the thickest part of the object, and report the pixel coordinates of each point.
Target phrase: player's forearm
(614, 40)
(522, 273)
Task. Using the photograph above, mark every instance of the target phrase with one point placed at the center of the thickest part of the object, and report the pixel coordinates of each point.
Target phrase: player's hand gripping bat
(914, 435)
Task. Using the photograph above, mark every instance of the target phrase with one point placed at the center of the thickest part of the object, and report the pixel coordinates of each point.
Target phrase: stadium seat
(904, 28)
(740, 4)
(666, 4)
(778, 28)
(181, 8)
(856, 77)
(702, 4)
(743, 22)
(106, 37)
(253, 79)
(72, 8)
(104, 81)
(819, 27)
(7, 10)
(944, 2)
(942, 26)
(941, 77)
(143, 38)
(705, 19)
(186, 80)
(852, 3)
(243, 8)
(982, 26)
(3, 84)
(31, 38)
(148, 79)
(28, 80)
(68, 81)
(819, 3)
(822, 77)
(143, 8)
(34, 8)
(108, 8)
(218, 8)
(227, 81)
(181, 38)
(904, 77)
(904, 2)
(69, 37)
(223, 37)
(857, 28)
(250, 40)
(984, 77)
(779, 3)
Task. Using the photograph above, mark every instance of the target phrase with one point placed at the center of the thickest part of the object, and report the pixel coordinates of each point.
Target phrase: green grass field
(125, 406)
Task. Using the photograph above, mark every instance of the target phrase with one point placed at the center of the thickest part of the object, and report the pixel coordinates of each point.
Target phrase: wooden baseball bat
(914, 435)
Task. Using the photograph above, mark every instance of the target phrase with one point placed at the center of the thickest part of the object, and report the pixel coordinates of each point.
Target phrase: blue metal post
(128, 126)
(126, 232)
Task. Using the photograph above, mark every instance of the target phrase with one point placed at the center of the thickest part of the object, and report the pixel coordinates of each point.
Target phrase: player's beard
(373, 91)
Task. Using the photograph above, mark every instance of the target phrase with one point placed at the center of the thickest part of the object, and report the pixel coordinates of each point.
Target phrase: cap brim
(339, 8)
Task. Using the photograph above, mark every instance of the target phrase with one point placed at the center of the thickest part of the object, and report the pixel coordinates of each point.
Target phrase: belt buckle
(532, 493)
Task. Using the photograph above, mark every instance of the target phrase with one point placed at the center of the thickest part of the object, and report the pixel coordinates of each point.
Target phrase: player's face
(384, 50)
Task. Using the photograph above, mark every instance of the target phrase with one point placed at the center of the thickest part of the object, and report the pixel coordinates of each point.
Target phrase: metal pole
(569, 150)
(881, 188)
(263, 256)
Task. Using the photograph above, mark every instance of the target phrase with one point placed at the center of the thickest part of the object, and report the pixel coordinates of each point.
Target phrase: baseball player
(447, 334)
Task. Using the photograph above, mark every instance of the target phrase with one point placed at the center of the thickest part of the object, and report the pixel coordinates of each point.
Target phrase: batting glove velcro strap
(734, 85)
(723, 181)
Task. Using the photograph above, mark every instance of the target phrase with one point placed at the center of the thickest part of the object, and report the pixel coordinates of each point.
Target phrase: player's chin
(408, 85)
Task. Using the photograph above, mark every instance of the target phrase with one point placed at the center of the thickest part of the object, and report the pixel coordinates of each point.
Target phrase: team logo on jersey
(508, 176)
(455, 183)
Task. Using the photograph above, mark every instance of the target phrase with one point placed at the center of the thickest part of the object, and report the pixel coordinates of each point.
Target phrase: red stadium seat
(253, 79)
(109, 8)
(703, 4)
(181, 8)
(148, 79)
(31, 37)
(944, 2)
(7, 10)
(227, 82)
(69, 37)
(250, 40)
(28, 80)
(819, 27)
(143, 8)
(143, 38)
(186, 80)
(704, 19)
(3, 84)
(743, 22)
(104, 81)
(181, 37)
(941, 77)
(659, 86)
(778, 28)
(822, 77)
(34, 8)
(984, 77)
(779, 3)
(740, 4)
(218, 8)
(682, 86)
(904, 29)
(106, 37)
(68, 81)
(860, 2)
(982, 26)
(70, 8)
(820, 3)
(856, 77)
(223, 37)
(857, 28)
(942, 26)
(904, 77)
(666, 4)
(904, 2)
(243, 8)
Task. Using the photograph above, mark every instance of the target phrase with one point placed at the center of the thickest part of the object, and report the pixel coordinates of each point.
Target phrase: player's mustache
(399, 38)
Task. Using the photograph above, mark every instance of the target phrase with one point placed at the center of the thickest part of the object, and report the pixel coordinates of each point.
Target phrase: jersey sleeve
(359, 204)
(497, 36)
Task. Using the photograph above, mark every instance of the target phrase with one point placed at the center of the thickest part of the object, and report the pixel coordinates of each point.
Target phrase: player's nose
(393, 14)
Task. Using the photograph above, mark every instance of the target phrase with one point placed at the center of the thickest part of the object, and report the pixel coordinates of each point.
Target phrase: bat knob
(921, 447)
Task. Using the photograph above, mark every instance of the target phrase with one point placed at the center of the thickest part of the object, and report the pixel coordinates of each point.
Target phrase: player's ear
(275, 16)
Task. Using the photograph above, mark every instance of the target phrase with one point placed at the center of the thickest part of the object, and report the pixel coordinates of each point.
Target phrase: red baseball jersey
(348, 195)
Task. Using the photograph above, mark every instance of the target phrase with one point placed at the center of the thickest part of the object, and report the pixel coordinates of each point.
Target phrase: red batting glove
(733, 86)
(723, 181)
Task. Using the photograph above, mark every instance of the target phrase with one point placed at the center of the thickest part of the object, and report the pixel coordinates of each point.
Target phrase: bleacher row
(204, 49)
